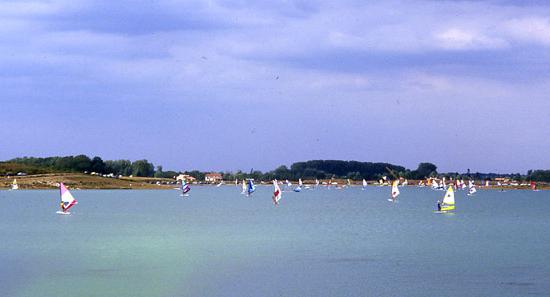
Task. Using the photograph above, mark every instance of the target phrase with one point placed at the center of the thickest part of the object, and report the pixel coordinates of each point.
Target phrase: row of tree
(315, 169)
(82, 163)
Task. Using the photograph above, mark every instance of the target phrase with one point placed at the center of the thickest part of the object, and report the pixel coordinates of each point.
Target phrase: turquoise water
(316, 243)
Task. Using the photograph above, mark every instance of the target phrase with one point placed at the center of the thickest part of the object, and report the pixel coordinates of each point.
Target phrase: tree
(424, 170)
(158, 172)
(119, 167)
(142, 168)
(97, 165)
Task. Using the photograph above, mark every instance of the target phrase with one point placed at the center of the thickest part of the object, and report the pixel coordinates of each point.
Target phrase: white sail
(244, 187)
(364, 183)
(395, 190)
(14, 185)
(300, 182)
(277, 193)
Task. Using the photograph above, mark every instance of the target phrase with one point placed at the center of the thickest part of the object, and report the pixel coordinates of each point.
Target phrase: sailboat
(220, 184)
(244, 187)
(471, 188)
(14, 185)
(316, 183)
(185, 188)
(67, 200)
(277, 193)
(299, 187)
(364, 184)
(534, 186)
(394, 191)
(250, 187)
(448, 203)
(435, 185)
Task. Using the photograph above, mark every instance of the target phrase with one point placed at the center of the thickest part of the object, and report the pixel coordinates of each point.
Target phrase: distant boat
(534, 186)
(250, 187)
(277, 193)
(316, 183)
(299, 187)
(14, 185)
(185, 188)
(364, 184)
(349, 182)
(220, 184)
(435, 185)
(244, 187)
(462, 184)
(67, 200)
(471, 188)
(448, 203)
(394, 191)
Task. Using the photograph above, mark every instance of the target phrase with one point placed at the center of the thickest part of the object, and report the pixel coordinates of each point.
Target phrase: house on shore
(213, 177)
(185, 177)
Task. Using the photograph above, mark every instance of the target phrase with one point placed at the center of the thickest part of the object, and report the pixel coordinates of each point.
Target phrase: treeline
(338, 169)
(314, 169)
(83, 163)
(539, 175)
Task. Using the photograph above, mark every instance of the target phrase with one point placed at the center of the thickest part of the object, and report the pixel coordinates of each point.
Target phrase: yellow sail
(448, 200)
(14, 185)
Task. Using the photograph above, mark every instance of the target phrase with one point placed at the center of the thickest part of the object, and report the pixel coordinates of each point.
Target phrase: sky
(236, 85)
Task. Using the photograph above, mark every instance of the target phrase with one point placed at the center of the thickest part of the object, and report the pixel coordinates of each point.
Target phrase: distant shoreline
(91, 182)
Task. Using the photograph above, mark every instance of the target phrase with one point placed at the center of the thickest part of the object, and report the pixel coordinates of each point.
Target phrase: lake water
(316, 243)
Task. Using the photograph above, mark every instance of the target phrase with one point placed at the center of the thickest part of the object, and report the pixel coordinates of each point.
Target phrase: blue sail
(185, 187)
(250, 187)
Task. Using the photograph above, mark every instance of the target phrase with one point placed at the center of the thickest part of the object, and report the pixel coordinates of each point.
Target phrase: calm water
(317, 243)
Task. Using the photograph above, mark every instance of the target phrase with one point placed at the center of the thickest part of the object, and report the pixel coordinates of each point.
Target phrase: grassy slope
(82, 181)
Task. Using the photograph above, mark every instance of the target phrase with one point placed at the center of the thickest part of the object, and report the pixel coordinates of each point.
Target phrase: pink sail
(67, 199)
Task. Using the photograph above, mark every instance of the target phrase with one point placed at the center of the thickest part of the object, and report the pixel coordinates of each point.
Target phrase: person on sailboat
(438, 205)
(62, 206)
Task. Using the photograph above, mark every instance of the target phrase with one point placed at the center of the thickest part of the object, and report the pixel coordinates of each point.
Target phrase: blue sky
(227, 85)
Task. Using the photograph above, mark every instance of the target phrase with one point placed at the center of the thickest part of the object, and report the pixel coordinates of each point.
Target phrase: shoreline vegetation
(82, 172)
(81, 181)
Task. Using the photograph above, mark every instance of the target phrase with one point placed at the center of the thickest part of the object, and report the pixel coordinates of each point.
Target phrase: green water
(316, 243)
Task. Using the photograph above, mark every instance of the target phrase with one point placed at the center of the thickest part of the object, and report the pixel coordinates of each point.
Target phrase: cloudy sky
(227, 85)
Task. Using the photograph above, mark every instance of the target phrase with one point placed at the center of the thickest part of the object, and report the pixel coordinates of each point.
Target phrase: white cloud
(459, 39)
(530, 29)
